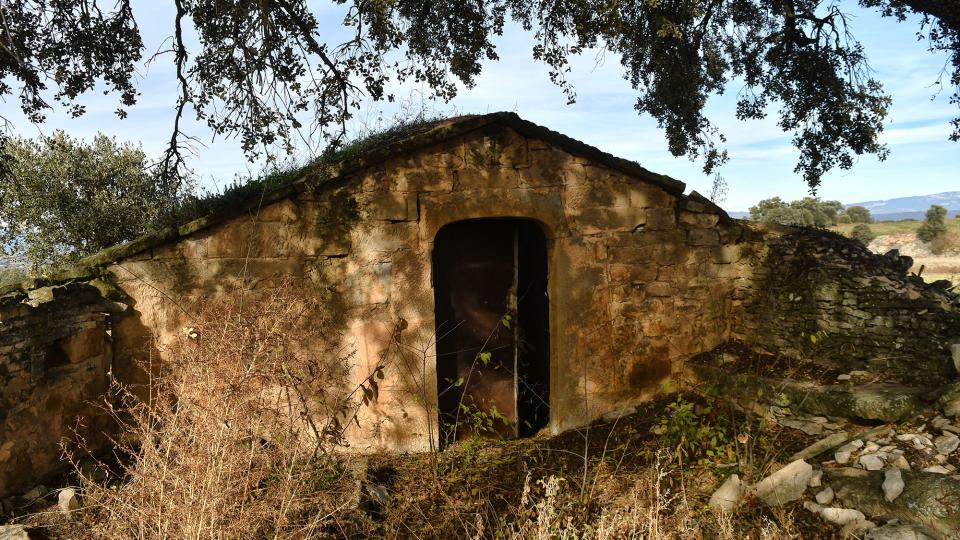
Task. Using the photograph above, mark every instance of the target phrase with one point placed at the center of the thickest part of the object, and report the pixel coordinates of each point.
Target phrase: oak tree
(263, 66)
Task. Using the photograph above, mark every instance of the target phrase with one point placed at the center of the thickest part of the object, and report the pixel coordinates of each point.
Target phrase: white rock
(842, 516)
(892, 484)
(896, 532)
(726, 497)
(13, 532)
(938, 469)
(920, 442)
(947, 444)
(871, 447)
(955, 353)
(905, 437)
(856, 527)
(939, 421)
(842, 455)
(843, 377)
(952, 408)
(68, 500)
(940, 458)
(812, 507)
(785, 485)
(817, 479)
(902, 463)
(825, 496)
(871, 462)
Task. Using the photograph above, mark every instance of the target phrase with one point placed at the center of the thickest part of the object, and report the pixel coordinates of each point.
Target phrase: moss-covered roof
(338, 166)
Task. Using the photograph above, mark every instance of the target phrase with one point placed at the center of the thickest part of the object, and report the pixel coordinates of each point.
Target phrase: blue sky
(921, 160)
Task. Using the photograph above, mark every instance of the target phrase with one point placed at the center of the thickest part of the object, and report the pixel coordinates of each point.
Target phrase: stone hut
(581, 280)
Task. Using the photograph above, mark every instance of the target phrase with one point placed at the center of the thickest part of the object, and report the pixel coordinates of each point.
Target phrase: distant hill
(911, 207)
(902, 207)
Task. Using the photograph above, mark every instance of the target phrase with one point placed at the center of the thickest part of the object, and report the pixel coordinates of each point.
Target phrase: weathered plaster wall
(862, 310)
(639, 278)
(55, 355)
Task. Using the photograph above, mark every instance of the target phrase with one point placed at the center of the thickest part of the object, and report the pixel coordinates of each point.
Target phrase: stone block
(659, 289)
(480, 178)
(598, 220)
(646, 196)
(704, 237)
(697, 220)
(660, 219)
(390, 206)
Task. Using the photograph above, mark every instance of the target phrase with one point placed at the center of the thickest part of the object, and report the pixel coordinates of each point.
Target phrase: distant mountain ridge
(911, 207)
(914, 207)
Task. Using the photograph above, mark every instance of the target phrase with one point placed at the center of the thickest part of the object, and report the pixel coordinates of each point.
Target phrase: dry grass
(946, 243)
(238, 439)
(235, 440)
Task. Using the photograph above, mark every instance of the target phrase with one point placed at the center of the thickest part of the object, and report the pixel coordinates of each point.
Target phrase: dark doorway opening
(492, 324)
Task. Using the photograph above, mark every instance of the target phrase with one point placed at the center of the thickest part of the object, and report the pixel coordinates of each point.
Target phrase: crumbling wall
(818, 295)
(55, 356)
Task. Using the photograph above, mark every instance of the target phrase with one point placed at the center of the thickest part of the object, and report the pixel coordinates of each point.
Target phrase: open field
(893, 227)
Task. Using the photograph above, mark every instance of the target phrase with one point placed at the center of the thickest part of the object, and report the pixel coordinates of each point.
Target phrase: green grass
(902, 226)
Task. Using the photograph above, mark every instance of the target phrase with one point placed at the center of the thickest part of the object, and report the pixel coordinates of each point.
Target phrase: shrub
(934, 225)
(863, 234)
(237, 437)
(858, 214)
(948, 242)
(63, 198)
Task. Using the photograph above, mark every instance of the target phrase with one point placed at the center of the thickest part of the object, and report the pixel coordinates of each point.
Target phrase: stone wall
(821, 296)
(55, 356)
(640, 275)
(641, 278)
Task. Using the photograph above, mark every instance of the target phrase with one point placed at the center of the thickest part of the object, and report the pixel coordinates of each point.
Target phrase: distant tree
(934, 224)
(863, 234)
(858, 214)
(844, 219)
(822, 213)
(764, 207)
(806, 212)
(62, 198)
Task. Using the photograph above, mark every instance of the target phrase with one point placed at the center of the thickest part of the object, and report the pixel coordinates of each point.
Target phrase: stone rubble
(728, 495)
(893, 484)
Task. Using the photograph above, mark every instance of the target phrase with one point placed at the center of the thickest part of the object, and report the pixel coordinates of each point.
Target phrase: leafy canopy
(806, 212)
(65, 198)
(263, 66)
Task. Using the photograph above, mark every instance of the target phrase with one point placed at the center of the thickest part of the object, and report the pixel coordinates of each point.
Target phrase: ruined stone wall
(639, 278)
(55, 356)
(818, 295)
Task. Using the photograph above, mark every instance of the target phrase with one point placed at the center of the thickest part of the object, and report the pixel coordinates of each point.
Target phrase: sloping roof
(337, 172)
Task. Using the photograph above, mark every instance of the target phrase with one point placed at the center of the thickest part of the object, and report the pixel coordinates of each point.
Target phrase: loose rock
(892, 484)
(785, 485)
(825, 496)
(947, 444)
(871, 462)
(842, 516)
(937, 469)
(726, 497)
(13, 532)
(897, 532)
(68, 500)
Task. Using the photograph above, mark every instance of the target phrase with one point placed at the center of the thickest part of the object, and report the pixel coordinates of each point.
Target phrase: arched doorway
(492, 327)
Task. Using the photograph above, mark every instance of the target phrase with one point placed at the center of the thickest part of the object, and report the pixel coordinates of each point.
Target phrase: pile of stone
(883, 483)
